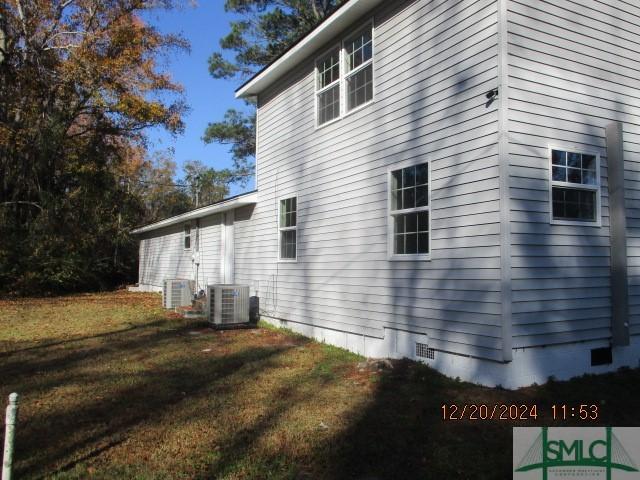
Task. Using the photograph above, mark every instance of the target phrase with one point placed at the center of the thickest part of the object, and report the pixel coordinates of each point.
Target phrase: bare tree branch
(61, 47)
(21, 202)
(22, 18)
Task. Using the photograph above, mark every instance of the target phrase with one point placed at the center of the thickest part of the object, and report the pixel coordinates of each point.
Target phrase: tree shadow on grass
(120, 394)
(111, 403)
(401, 432)
(47, 344)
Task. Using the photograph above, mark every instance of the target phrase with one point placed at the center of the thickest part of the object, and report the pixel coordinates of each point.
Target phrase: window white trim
(186, 235)
(344, 75)
(391, 256)
(284, 229)
(316, 83)
(324, 54)
(577, 186)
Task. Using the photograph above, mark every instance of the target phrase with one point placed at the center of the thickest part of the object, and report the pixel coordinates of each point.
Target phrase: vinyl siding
(574, 67)
(434, 61)
(162, 254)
(210, 249)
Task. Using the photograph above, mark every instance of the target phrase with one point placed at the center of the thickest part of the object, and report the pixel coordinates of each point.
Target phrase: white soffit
(235, 202)
(327, 31)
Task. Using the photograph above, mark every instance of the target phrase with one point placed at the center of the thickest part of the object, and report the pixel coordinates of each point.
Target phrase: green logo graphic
(607, 453)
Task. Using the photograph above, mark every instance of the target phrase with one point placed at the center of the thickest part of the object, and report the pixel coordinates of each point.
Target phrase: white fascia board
(240, 201)
(324, 33)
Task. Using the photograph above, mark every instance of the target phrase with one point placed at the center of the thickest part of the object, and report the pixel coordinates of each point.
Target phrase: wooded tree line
(80, 83)
(265, 29)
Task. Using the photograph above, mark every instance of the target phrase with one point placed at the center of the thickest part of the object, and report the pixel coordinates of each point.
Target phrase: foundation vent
(601, 356)
(423, 351)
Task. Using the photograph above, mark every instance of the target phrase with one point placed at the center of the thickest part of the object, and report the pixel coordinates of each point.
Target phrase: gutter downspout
(196, 256)
(504, 170)
(618, 236)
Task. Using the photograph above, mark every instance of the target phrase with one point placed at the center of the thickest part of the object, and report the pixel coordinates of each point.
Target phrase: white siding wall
(162, 256)
(434, 62)
(210, 245)
(162, 253)
(574, 67)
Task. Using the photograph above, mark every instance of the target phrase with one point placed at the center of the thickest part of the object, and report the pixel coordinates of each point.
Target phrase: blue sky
(208, 99)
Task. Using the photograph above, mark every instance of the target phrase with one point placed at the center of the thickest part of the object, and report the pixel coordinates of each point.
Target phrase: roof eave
(324, 33)
(250, 198)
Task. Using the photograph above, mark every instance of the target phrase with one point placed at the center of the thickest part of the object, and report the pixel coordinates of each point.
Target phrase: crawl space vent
(423, 351)
(601, 356)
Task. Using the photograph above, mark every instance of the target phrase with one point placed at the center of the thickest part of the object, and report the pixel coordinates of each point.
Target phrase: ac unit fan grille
(177, 293)
(176, 296)
(227, 306)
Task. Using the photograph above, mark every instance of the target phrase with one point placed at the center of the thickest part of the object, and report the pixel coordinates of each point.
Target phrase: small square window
(575, 188)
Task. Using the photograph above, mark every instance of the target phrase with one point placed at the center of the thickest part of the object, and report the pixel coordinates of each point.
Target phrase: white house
(454, 181)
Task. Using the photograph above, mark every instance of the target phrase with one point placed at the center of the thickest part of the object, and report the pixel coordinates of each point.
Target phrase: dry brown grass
(113, 386)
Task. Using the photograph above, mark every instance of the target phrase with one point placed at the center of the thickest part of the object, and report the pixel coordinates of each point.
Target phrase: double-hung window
(409, 212)
(328, 87)
(575, 187)
(187, 236)
(288, 225)
(344, 77)
(359, 69)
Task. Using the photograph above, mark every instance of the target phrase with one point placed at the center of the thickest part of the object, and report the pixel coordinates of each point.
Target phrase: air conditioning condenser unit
(228, 305)
(177, 292)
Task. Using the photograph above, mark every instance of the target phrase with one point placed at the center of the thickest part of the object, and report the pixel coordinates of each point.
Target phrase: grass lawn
(113, 386)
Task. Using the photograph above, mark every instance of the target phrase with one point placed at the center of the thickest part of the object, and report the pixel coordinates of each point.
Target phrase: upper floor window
(575, 187)
(359, 69)
(288, 225)
(328, 87)
(409, 211)
(187, 236)
(348, 71)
